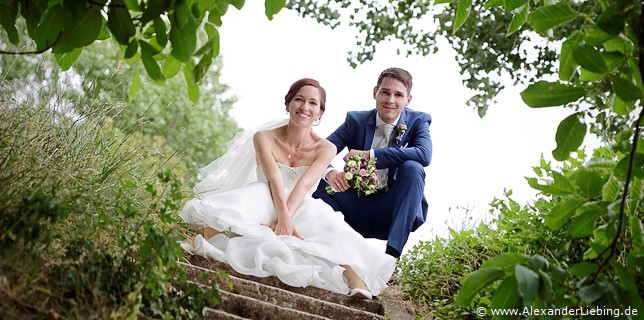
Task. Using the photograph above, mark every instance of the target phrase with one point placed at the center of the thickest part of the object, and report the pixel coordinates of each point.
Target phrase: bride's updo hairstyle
(297, 85)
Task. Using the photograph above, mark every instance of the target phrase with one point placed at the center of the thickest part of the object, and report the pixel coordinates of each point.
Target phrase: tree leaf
(273, 7)
(593, 291)
(184, 40)
(637, 231)
(493, 3)
(621, 170)
(584, 224)
(462, 12)
(154, 10)
(134, 87)
(583, 269)
(518, 20)
(120, 22)
(612, 19)
(595, 36)
(160, 31)
(570, 134)
(511, 5)
(610, 189)
(150, 64)
(626, 278)
(81, 30)
(171, 66)
(66, 60)
(528, 283)
(589, 58)
(131, 49)
(567, 63)
(626, 90)
(237, 3)
(562, 212)
(448, 1)
(193, 88)
(8, 16)
(475, 282)
(50, 27)
(547, 17)
(589, 182)
(548, 94)
(505, 260)
(506, 295)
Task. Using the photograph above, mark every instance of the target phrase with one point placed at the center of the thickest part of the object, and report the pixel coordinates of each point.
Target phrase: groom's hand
(336, 180)
(354, 152)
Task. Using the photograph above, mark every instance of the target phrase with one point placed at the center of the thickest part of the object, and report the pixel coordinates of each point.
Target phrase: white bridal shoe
(360, 294)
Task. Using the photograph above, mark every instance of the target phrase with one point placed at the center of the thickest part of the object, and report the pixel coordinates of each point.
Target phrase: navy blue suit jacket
(357, 132)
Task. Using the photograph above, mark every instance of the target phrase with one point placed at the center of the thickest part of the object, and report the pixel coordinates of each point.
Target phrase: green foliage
(87, 213)
(160, 29)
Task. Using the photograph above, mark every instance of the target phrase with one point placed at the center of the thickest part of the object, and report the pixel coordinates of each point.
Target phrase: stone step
(372, 307)
(263, 298)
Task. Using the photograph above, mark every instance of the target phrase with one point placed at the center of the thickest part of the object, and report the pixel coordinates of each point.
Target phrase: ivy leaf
(273, 7)
(589, 58)
(549, 94)
(570, 134)
(528, 283)
(475, 282)
(66, 60)
(626, 90)
(562, 212)
(462, 12)
(120, 22)
(518, 20)
(548, 17)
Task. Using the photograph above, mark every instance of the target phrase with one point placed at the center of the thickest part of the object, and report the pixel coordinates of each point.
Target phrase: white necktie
(381, 139)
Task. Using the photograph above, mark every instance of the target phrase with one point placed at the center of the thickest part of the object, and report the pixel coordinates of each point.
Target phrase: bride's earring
(317, 121)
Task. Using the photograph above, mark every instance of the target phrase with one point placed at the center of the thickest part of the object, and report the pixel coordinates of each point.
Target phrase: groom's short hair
(397, 73)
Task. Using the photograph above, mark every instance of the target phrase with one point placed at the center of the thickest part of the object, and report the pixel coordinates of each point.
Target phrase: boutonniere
(402, 128)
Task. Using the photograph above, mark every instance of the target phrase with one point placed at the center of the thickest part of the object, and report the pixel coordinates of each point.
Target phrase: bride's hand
(284, 228)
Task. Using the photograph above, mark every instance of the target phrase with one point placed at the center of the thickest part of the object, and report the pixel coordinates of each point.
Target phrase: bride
(258, 215)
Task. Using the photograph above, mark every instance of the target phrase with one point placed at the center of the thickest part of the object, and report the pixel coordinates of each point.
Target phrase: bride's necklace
(289, 149)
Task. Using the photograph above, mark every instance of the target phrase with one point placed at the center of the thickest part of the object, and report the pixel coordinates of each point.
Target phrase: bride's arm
(312, 176)
(264, 154)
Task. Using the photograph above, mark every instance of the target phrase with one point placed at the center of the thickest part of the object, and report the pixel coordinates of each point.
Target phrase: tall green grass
(87, 227)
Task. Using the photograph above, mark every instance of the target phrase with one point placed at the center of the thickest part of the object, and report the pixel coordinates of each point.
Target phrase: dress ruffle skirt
(254, 249)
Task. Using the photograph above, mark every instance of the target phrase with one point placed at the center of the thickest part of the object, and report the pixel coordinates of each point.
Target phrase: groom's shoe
(392, 252)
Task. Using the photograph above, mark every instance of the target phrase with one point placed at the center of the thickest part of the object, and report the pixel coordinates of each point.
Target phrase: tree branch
(15, 53)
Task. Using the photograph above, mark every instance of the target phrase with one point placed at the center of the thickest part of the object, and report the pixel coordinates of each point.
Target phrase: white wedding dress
(255, 250)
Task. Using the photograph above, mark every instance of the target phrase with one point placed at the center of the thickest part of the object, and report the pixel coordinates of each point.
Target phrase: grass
(87, 226)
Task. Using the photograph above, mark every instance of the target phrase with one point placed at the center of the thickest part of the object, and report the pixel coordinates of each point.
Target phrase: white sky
(474, 159)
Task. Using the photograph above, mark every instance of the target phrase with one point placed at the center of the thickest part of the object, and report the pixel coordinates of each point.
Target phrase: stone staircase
(249, 297)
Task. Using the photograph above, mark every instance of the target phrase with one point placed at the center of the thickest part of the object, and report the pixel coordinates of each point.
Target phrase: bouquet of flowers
(361, 175)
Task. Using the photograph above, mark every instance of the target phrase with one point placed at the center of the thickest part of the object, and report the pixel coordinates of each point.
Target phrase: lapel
(370, 129)
(403, 118)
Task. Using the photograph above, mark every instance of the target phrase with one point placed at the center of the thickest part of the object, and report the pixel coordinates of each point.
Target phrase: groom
(398, 138)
